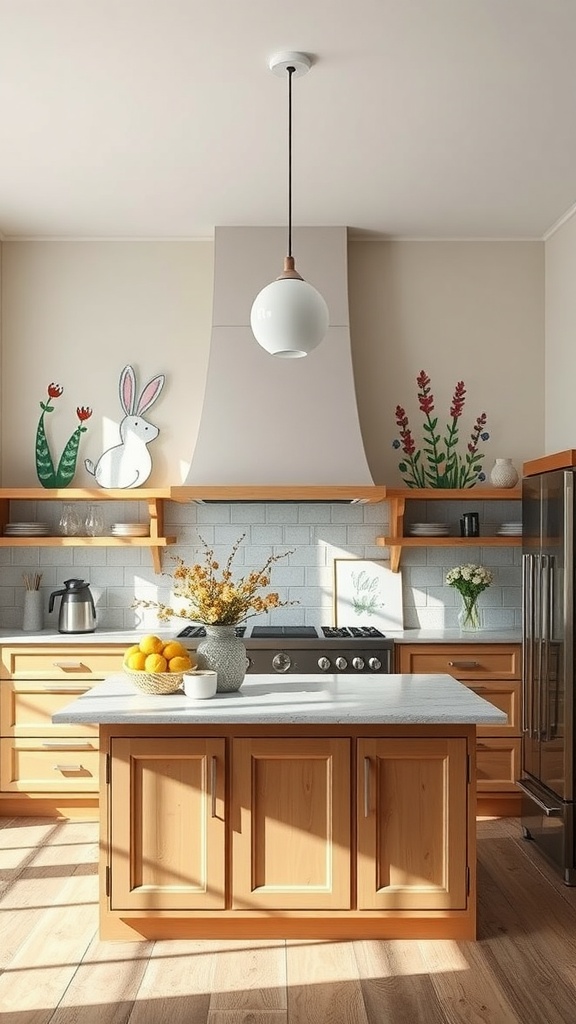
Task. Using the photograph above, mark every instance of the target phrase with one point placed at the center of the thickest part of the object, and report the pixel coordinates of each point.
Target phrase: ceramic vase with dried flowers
(220, 603)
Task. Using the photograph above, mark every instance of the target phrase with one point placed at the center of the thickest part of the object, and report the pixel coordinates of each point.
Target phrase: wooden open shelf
(398, 498)
(154, 499)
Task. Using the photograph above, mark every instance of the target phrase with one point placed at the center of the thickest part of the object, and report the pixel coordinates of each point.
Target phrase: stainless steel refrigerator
(548, 784)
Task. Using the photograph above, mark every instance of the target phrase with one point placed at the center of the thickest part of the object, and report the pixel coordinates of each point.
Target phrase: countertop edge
(339, 699)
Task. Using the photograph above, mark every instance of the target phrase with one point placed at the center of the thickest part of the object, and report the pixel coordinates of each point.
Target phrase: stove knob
(281, 662)
(324, 664)
(342, 664)
(358, 664)
(374, 664)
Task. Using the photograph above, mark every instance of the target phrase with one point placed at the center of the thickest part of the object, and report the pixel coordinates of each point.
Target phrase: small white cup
(200, 683)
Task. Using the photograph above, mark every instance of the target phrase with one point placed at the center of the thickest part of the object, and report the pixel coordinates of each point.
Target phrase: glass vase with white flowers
(469, 580)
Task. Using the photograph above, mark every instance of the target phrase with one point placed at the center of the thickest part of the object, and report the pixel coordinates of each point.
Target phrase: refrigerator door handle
(537, 662)
(527, 643)
(550, 810)
(545, 668)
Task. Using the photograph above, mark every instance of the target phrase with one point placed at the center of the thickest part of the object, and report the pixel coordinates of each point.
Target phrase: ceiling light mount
(289, 317)
(280, 62)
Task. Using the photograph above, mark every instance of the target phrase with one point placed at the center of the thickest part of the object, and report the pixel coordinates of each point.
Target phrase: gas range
(289, 649)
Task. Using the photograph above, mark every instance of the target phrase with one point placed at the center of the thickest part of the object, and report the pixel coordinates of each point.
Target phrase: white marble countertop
(307, 699)
(131, 636)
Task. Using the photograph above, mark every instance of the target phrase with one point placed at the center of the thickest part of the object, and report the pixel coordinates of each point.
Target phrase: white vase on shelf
(503, 474)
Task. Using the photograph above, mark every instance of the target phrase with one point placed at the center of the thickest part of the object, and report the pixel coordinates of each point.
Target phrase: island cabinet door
(167, 841)
(290, 820)
(412, 824)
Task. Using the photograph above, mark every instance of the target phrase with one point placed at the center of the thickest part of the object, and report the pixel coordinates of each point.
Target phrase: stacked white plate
(429, 530)
(130, 530)
(510, 529)
(26, 530)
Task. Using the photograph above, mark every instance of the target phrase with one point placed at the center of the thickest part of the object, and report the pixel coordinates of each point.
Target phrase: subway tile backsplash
(315, 534)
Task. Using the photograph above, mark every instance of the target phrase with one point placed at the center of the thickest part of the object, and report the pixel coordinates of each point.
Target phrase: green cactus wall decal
(47, 474)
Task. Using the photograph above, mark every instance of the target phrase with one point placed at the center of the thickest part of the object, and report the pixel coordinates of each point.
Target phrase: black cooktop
(295, 632)
(277, 632)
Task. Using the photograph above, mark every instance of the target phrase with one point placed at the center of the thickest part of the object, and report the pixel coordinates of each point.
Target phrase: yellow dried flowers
(219, 601)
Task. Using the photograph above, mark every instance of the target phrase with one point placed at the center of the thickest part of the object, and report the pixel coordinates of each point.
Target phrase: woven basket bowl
(155, 682)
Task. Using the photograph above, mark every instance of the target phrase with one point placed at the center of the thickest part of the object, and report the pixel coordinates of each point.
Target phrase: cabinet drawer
(497, 765)
(506, 697)
(43, 662)
(26, 708)
(49, 766)
(464, 661)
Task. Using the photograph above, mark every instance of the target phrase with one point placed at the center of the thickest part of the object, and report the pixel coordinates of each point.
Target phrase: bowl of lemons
(157, 666)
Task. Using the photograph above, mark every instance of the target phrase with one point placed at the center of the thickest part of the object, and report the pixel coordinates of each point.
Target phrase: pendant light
(289, 317)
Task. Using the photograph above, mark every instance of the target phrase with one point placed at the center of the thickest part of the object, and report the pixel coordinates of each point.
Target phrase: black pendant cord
(290, 71)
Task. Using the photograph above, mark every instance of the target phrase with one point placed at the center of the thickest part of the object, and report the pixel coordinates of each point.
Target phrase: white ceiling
(160, 118)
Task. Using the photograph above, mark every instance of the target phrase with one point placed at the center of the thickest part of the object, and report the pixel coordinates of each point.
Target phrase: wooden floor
(53, 968)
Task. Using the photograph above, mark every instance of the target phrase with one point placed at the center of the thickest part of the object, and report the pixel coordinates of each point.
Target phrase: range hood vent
(276, 429)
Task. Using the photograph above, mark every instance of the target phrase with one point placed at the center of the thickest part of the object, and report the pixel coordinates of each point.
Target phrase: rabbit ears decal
(150, 392)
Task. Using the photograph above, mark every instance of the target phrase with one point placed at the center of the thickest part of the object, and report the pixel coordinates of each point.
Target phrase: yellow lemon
(173, 649)
(136, 660)
(131, 650)
(151, 644)
(179, 664)
(155, 663)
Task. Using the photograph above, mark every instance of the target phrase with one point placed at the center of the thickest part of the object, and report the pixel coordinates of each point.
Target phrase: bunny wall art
(128, 464)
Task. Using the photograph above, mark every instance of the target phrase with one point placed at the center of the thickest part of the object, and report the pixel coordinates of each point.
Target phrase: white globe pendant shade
(289, 318)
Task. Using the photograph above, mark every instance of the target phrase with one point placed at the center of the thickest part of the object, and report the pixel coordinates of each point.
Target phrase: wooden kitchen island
(301, 807)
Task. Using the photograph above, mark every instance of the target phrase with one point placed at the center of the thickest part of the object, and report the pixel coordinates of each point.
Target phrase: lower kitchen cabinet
(290, 815)
(412, 798)
(47, 768)
(294, 835)
(494, 672)
(168, 824)
(36, 766)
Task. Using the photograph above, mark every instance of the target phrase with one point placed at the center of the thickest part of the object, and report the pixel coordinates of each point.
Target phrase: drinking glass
(94, 522)
(70, 522)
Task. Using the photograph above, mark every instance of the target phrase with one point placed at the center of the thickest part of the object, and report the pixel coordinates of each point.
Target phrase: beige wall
(471, 311)
(560, 291)
(77, 312)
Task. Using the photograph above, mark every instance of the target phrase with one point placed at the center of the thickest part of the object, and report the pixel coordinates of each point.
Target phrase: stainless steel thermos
(77, 611)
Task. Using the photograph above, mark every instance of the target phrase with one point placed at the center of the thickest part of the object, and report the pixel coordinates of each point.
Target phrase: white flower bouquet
(470, 580)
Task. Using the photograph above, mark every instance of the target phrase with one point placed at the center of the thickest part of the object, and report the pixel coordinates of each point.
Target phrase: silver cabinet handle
(68, 664)
(64, 688)
(67, 744)
(213, 775)
(366, 787)
(464, 664)
(67, 767)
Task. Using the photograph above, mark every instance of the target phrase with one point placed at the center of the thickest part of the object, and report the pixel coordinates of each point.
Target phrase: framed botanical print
(367, 593)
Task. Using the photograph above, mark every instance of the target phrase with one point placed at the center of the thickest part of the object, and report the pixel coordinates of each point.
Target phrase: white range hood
(274, 426)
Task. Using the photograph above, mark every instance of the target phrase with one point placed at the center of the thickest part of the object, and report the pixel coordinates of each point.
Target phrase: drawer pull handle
(67, 744)
(68, 767)
(464, 664)
(64, 688)
(68, 664)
